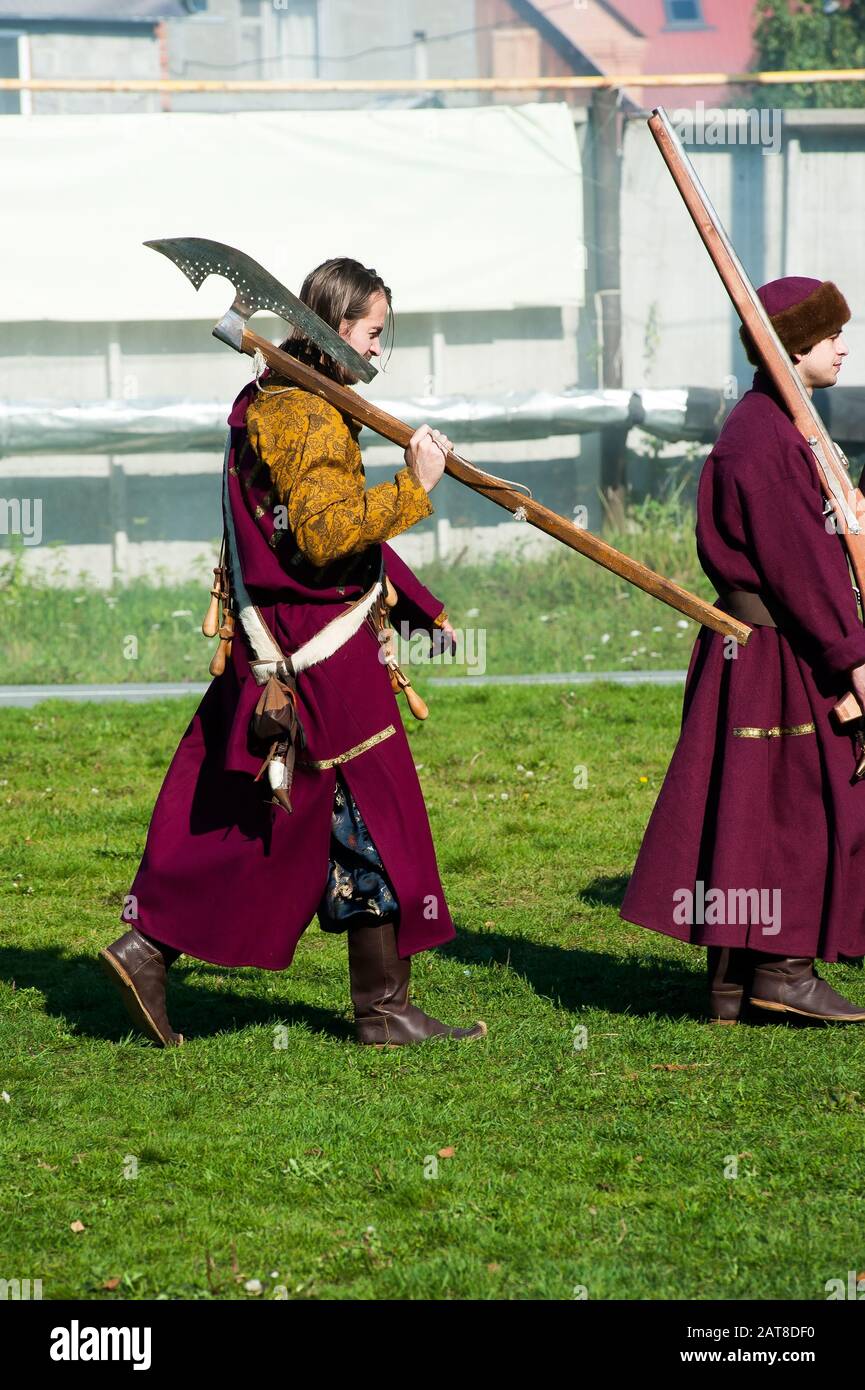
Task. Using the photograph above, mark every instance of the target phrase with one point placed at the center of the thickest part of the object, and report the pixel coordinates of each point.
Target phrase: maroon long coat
(231, 878)
(745, 806)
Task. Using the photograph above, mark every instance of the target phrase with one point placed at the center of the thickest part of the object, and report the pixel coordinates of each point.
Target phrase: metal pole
(605, 133)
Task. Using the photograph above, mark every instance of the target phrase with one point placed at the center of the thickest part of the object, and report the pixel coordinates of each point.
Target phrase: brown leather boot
(730, 969)
(379, 991)
(791, 985)
(137, 968)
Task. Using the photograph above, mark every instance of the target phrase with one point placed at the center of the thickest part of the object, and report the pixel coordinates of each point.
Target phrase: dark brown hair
(338, 289)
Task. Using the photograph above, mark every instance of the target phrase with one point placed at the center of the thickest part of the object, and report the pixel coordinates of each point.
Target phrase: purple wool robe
(744, 806)
(227, 876)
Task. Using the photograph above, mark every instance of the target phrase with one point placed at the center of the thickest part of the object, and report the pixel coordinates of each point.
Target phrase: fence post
(607, 164)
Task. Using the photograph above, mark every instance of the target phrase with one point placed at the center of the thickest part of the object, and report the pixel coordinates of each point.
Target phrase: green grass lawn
(559, 613)
(314, 1167)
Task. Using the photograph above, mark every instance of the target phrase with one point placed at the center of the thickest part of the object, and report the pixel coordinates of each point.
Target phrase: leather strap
(748, 607)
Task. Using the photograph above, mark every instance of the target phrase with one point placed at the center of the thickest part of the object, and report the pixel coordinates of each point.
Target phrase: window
(10, 102)
(682, 14)
(279, 38)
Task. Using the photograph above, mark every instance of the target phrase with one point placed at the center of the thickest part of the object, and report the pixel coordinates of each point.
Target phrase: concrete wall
(371, 40)
(140, 514)
(80, 54)
(794, 212)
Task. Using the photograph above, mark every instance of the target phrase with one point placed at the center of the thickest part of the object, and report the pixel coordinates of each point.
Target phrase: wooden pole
(433, 84)
(502, 493)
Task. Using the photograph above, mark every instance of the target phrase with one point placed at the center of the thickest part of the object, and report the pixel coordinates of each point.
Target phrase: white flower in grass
(635, 632)
(473, 613)
(657, 628)
(253, 1286)
(504, 796)
(5, 1096)
(605, 638)
(682, 622)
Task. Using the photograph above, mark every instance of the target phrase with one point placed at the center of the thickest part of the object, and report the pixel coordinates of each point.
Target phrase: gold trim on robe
(350, 752)
(776, 731)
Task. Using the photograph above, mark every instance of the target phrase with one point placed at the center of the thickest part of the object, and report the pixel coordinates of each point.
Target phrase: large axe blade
(254, 289)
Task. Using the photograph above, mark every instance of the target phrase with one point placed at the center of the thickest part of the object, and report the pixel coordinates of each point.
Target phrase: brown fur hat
(803, 312)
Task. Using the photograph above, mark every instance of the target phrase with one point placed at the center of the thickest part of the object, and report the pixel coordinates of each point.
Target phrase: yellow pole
(433, 84)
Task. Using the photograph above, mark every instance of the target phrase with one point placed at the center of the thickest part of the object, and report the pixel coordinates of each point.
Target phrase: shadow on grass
(577, 979)
(75, 990)
(644, 985)
(605, 892)
(640, 985)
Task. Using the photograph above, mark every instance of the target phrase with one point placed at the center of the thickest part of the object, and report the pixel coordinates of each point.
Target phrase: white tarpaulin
(458, 209)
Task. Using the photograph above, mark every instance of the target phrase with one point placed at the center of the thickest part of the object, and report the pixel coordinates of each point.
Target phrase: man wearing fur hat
(756, 846)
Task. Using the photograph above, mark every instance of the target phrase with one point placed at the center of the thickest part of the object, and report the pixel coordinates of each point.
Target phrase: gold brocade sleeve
(317, 473)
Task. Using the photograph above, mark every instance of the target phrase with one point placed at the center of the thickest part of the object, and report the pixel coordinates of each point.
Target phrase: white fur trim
(334, 634)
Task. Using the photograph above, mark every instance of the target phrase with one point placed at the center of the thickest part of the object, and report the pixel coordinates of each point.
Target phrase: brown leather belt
(747, 607)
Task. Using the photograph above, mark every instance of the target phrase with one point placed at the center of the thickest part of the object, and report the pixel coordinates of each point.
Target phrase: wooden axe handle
(504, 496)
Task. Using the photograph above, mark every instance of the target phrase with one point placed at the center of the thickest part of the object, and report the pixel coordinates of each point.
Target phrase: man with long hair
(228, 875)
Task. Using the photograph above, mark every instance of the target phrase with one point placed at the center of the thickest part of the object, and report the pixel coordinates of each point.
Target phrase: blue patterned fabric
(357, 885)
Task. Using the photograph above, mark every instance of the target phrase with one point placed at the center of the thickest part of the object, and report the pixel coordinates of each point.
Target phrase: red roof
(636, 36)
(726, 45)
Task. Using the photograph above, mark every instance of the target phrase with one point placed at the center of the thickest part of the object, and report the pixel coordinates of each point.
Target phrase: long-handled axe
(256, 289)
